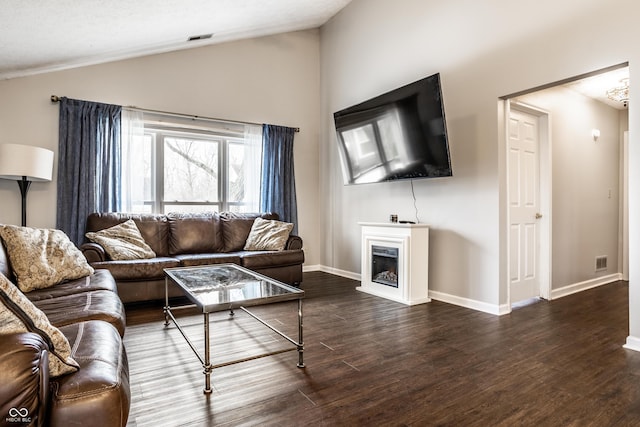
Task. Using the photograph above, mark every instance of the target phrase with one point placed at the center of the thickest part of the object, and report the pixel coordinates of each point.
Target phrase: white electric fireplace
(395, 261)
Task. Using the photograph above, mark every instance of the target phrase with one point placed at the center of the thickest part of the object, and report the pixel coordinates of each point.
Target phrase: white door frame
(544, 152)
(624, 207)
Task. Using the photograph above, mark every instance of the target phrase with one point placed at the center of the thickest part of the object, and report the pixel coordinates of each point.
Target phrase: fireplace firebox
(384, 265)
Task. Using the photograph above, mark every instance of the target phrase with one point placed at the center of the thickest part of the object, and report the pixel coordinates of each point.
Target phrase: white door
(524, 206)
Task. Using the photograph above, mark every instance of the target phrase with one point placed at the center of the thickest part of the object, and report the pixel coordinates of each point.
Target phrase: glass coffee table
(222, 287)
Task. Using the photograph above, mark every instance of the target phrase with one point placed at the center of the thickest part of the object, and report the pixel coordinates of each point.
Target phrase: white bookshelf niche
(395, 261)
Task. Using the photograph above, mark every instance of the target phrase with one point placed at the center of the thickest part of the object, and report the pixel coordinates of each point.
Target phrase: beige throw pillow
(18, 314)
(268, 235)
(122, 242)
(41, 258)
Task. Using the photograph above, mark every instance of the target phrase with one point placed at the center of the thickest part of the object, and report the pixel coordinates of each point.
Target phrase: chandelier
(620, 93)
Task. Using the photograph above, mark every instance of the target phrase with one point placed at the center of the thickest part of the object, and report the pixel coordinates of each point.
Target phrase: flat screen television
(401, 134)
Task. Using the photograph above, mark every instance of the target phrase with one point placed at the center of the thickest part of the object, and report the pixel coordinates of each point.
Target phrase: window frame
(158, 134)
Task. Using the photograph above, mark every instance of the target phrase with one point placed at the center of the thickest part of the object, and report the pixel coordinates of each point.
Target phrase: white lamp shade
(17, 161)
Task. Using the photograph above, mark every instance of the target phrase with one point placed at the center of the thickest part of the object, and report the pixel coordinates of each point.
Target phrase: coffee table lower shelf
(206, 361)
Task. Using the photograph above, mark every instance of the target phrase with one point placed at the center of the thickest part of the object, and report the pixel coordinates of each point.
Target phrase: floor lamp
(25, 163)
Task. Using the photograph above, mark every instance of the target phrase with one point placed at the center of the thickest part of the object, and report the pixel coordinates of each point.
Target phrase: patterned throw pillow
(18, 314)
(122, 241)
(41, 258)
(268, 235)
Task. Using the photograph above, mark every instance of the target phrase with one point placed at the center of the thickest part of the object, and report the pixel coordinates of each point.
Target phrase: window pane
(190, 208)
(190, 169)
(141, 208)
(239, 209)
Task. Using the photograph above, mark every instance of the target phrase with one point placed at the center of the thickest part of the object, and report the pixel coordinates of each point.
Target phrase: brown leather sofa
(183, 239)
(90, 314)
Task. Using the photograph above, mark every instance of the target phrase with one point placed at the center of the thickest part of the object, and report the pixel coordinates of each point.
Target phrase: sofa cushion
(122, 241)
(237, 226)
(18, 314)
(94, 305)
(203, 259)
(138, 269)
(98, 394)
(268, 235)
(194, 233)
(256, 260)
(154, 228)
(99, 280)
(42, 257)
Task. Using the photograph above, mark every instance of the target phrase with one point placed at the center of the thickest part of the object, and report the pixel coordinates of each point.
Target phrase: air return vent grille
(199, 37)
(601, 263)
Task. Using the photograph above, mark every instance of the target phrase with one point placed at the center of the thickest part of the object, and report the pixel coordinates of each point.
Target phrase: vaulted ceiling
(39, 36)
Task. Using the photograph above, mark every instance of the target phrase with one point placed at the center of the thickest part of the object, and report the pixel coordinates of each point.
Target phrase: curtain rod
(56, 98)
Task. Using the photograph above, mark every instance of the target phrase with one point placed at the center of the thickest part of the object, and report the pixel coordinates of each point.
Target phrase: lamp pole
(24, 185)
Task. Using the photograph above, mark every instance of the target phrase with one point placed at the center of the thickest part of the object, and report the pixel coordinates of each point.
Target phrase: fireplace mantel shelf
(392, 224)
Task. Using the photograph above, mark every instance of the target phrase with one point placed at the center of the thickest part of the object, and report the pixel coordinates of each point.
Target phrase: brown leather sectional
(90, 314)
(183, 239)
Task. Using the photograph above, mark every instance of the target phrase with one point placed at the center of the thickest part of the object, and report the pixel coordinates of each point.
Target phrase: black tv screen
(401, 134)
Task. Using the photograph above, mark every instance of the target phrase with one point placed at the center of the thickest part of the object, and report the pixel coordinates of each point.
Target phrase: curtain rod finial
(55, 98)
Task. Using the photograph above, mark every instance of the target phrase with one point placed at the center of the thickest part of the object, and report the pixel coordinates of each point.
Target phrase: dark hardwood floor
(373, 362)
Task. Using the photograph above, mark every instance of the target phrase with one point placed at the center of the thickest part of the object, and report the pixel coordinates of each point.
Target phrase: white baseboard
(342, 273)
(583, 286)
(504, 309)
(498, 310)
(633, 343)
(440, 296)
(393, 298)
(331, 270)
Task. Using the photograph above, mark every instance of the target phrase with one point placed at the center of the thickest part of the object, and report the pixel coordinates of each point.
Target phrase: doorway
(578, 234)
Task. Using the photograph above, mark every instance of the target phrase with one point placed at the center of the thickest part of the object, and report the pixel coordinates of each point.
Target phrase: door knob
(538, 215)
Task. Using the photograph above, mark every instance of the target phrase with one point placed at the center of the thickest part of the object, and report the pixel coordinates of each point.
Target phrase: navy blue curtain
(88, 163)
(278, 184)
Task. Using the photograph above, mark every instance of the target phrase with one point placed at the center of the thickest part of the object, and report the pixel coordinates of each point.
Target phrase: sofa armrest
(24, 378)
(294, 242)
(93, 252)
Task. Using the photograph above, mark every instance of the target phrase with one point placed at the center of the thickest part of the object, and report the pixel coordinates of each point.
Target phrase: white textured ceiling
(45, 35)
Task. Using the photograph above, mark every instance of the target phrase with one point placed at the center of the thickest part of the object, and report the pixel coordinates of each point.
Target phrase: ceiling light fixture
(620, 93)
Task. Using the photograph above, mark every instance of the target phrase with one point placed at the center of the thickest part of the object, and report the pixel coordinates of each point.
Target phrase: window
(175, 164)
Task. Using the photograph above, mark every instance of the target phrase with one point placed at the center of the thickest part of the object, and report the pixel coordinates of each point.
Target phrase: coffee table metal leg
(166, 302)
(207, 357)
(300, 344)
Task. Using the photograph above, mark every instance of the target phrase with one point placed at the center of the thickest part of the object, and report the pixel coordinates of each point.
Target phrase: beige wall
(265, 80)
(483, 51)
